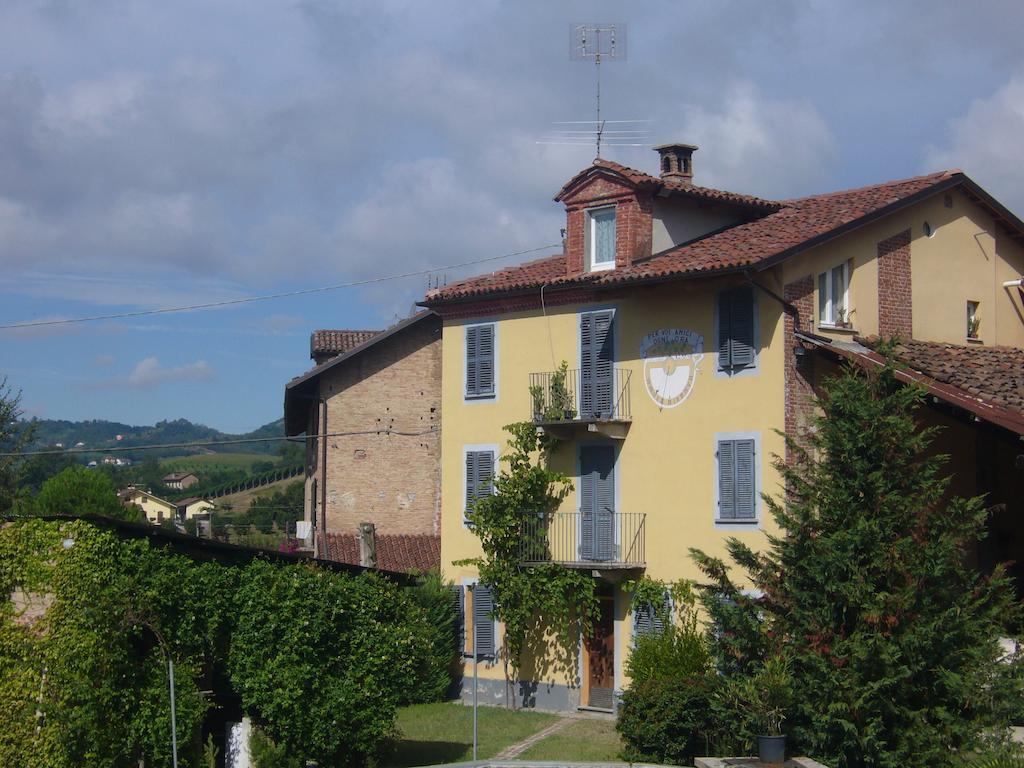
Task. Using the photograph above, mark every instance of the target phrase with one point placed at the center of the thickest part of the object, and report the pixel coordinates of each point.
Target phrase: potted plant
(772, 696)
(560, 404)
(537, 396)
(973, 324)
(842, 318)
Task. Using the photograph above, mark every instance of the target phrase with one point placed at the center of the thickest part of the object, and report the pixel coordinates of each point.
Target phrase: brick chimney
(676, 162)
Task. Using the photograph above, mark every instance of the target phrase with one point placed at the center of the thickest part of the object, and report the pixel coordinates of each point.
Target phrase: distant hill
(100, 435)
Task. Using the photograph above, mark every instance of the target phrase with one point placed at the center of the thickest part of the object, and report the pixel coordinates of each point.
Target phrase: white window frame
(739, 525)
(592, 264)
(472, 448)
(828, 320)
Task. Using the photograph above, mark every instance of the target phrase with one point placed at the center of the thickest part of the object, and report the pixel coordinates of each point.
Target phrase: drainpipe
(1018, 283)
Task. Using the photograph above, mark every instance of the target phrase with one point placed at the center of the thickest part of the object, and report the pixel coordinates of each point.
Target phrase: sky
(157, 154)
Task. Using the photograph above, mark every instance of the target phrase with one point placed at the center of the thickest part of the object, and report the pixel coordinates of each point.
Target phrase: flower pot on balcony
(771, 749)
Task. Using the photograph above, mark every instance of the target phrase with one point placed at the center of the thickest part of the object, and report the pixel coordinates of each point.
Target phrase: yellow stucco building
(694, 324)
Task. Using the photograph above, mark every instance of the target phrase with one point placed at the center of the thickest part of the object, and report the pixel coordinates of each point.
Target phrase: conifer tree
(891, 634)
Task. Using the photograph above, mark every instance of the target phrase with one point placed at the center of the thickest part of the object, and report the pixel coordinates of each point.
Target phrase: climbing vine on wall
(544, 608)
(92, 619)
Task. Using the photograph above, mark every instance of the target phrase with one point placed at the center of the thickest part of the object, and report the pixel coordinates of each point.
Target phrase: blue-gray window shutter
(597, 360)
(479, 476)
(736, 328)
(737, 480)
(479, 360)
(746, 491)
(648, 621)
(459, 603)
(483, 623)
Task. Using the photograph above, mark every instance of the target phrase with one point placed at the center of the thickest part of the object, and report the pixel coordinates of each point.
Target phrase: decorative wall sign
(671, 357)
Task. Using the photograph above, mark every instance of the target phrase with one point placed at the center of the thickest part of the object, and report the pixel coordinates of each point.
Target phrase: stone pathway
(517, 749)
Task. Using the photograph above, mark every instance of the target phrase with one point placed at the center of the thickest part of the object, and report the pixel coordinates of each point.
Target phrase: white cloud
(750, 143)
(149, 373)
(986, 143)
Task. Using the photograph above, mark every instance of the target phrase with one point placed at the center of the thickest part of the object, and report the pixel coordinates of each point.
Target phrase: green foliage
(681, 651)
(666, 720)
(15, 435)
(560, 403)
(266, 754)
(78, 491)
(210, 753)
(319, 659)
(890, 633)
(536, 604)
(278, 507)
(434, 616)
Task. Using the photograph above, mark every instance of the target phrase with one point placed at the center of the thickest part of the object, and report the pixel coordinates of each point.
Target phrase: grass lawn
(588, 741)
(443, 733)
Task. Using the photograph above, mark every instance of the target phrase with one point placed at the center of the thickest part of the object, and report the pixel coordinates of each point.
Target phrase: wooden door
(601, 655)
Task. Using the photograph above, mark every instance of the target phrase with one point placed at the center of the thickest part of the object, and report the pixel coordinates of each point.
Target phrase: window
(737, 480)
(973, 320)
(834, 296)
(479, 475)
(737, 348)
(649, 621)
(480, 361)
(601, 239)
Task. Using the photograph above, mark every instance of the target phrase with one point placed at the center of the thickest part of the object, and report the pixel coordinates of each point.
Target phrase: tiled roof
(328, 342)
(673, 187)
(401, 552)
(993, 375)
(797, 224)
(174, 476)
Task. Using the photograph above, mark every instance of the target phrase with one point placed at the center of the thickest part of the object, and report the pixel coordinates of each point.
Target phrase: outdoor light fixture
(799, 352)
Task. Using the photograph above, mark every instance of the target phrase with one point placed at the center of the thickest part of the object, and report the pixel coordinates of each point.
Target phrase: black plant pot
(771, 749)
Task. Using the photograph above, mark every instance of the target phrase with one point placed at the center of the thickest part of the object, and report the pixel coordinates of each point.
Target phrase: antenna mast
(598, 43)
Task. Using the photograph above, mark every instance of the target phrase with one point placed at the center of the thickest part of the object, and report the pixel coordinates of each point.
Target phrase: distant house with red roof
(694, 324)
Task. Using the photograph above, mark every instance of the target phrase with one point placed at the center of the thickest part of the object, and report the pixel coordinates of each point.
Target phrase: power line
(287, 294)
(239, 441)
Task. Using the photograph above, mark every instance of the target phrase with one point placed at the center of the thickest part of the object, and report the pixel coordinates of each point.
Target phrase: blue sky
(155, 154)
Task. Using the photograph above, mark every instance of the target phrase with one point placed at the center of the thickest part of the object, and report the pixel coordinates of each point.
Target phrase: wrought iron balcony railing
(584, 539)
(575, 395)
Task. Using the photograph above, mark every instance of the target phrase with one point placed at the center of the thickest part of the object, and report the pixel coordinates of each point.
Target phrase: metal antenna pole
(597, 65)
(174, 724)
(476, 656)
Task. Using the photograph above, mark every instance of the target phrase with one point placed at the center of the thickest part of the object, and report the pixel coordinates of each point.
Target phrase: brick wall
(894, 299)
(799, 373)
(392, 481)
(633, 221)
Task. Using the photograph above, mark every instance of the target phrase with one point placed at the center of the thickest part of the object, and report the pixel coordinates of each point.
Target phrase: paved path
(517, 749)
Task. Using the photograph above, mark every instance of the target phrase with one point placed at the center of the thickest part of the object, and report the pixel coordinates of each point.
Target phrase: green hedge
(320, 659)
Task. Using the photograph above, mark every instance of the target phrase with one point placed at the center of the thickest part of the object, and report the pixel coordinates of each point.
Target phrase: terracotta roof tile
(794, 224)
(993, 375)
(402, 552)
(325, 342)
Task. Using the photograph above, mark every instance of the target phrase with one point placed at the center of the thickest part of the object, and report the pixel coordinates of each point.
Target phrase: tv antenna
(598, 43)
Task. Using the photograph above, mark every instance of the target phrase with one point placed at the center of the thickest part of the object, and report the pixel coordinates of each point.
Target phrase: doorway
(600, 653)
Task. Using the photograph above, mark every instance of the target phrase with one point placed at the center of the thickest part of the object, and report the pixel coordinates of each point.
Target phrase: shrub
(266, 754)
(672, 654)
(666, 720)
(432, 617)
(320, 658)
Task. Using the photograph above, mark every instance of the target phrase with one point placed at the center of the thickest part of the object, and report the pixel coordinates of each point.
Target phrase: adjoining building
(158, 510)
(371, 416)
(695, 324)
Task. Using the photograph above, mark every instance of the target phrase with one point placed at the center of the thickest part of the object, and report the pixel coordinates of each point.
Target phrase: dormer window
(601, 239)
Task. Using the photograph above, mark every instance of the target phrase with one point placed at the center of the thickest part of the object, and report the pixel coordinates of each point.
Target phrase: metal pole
(476, 655)
(174, 724)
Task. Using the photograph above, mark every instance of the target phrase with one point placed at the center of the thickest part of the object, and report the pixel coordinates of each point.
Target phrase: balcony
(568, 401)
(597, 540)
